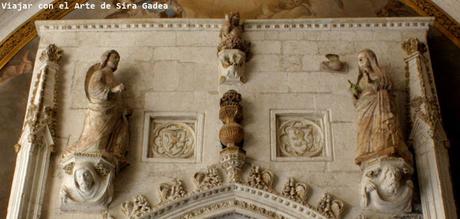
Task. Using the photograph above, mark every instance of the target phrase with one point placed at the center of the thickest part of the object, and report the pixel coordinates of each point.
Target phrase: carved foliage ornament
(173, 140)
(296, 191)
(300, 138)
(172, 190)
(330, 207)
(207, 180)
(136, 208)
(261, 178)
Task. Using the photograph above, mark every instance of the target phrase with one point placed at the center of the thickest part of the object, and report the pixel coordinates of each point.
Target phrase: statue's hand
(355, 89)
(119, 88)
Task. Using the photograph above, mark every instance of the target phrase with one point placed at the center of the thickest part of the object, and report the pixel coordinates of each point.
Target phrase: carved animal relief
(300, 138)
(172, 137)
(172, 140)
(300, 135)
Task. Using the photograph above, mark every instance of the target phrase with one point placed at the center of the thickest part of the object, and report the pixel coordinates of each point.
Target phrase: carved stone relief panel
(300, 135)
(172, 137)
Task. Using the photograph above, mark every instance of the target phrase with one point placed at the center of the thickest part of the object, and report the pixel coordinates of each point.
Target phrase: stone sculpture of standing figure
(379, 134)
(92, 162)
(105, 129)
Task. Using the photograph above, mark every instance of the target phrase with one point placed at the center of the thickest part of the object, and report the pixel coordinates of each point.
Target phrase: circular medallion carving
(173, 140)
(300, 138)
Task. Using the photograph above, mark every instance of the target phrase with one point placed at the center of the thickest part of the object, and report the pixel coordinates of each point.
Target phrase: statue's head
(110, 59)
(84, 179)
(367, 60)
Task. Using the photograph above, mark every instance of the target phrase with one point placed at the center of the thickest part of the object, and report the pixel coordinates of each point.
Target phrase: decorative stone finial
(413, 45)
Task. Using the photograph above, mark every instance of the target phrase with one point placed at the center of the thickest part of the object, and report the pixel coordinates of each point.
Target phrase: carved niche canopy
(300, 135)
(173, 137)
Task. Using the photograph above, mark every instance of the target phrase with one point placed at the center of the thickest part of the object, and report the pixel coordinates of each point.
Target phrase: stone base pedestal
(87, 183)
(386, 186)
(233, 159)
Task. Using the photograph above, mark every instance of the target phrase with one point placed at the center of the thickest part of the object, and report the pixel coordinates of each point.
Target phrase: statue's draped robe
(379, 133)
(105, 129)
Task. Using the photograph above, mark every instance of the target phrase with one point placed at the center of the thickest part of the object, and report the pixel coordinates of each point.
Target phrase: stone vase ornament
(233, 51)
(231, 135)
(333, 64)
(90, 164)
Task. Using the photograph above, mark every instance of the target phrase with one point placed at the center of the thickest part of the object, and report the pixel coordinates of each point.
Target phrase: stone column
(36, 142)
(427, 135)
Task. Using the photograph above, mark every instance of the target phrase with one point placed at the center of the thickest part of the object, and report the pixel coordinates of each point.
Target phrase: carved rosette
(232, 51)
(231, 135)
(387, 186)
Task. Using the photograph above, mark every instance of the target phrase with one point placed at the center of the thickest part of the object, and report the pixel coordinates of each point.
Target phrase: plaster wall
(175, 70)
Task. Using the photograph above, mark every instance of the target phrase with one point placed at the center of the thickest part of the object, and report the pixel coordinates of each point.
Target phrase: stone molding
(427, 135)
(37, 138)
(233, 193)
(249, 25)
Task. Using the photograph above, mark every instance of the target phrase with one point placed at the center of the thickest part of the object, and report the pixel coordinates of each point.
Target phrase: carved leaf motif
(261, 179)
(172, 190)
(295, 191)
(136, 208)
(330, 207)
(208, 179)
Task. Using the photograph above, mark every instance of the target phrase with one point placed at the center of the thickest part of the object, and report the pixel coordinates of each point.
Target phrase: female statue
(379, 133)
(105, 130)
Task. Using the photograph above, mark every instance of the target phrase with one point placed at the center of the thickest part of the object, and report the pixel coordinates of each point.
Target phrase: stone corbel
(37, 138)
(427, 135)
(232, 51)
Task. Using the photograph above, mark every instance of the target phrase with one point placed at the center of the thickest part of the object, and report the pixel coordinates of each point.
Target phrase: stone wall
(170, 66)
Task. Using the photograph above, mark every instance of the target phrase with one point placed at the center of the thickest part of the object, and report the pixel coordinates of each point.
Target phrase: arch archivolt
(229, 198)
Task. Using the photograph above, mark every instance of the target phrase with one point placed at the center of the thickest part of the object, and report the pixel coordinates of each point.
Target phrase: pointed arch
(237, 198)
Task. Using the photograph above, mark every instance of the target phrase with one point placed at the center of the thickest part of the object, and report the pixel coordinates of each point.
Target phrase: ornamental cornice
(337, 24)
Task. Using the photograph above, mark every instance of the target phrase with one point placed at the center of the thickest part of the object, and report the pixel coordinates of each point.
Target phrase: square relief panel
(172, 137)
(300, 135)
